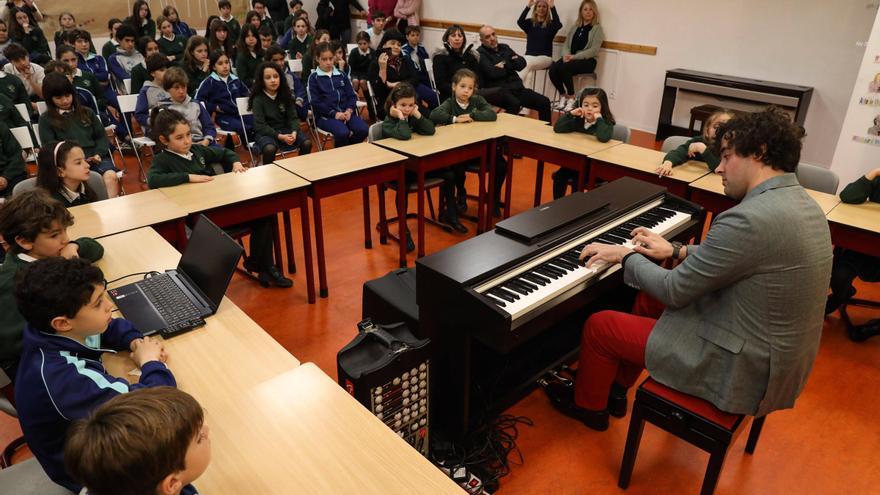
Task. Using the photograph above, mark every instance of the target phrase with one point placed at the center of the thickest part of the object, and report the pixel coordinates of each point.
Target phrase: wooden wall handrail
(511, 33)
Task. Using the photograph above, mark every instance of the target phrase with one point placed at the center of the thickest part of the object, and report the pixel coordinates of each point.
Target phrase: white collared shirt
(26, 257)
(73, 195)
(272, 97)
(188, 156)
(171, 38)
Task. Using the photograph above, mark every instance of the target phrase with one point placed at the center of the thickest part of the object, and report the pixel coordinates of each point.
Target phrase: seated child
(61, 378)
(275, 54)
(333, 100)
(108, 452)
(35, 227)
(219, 91)
(276, 122)
(153, 91)
(175, 82)
(182, 161)
(63, 172)
(416, 55)
(126, 56)
(697, 148)
(592, 117)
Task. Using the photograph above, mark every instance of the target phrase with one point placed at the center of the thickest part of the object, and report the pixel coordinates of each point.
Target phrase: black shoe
(456, 225)
(273, 276)
(496, 211)
(617, 400)
(461, 204)
(410, 245)
(832, 304)
(861, 333)
(562, 399)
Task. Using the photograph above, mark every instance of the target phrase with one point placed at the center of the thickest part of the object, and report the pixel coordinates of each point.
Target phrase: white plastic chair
(127, 104)
(429, 66)
(349, 47)
(127, 84)
(295, 65)
(96, 184)
(673, 142)
(23, 136)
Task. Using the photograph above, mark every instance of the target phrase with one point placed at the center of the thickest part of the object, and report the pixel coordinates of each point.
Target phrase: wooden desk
(129, 212)
(856, 227)
(232, 199)
(708, 191)
(300, 432)
(640, 163)
(568, 150)
(450, 145)
(345, 169)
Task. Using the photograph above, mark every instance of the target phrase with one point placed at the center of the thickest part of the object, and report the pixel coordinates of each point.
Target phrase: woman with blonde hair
(582, 44)
(540, 30)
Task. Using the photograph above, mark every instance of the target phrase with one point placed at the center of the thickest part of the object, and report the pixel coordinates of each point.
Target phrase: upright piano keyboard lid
(547, 220)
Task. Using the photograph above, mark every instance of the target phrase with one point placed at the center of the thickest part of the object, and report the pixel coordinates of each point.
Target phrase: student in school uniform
(61, 377)
(35, 226)
(87, 60)
(141, 19)
(225, 7)
(67, 23)
(84, 80)
(540, 30)
(218, 93)
(175, 82)
(276, 121)
(592, 117)
(219, 39)
(30, 74)
(301, 40)
(153, 92)
(579, 52)
(850, 264)
(249, 54)
(465, 106)
(180, 28)
(183, 161)
(333, 100)
(376, 29)
(171, 44)
(139, 74)
(266, 37)
(416, 54)
(126, 57)
(275, 54)
(310, 59)
(195, 62)
(697, 148)
(12, 169)
(403, 119)
(5, 41)
(109, 48)
(66, 119)
(390, 68)
(63, 172)
(340, 60)
(359, 60)
(30, 36)
(108, 450)
(266, 20)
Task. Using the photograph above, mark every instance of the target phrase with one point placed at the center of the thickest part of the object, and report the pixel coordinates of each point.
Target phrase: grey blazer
(745, 308)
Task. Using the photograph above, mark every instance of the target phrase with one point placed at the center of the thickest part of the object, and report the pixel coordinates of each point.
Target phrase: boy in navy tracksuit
(334, 102)
(415, 54)
(61, 378)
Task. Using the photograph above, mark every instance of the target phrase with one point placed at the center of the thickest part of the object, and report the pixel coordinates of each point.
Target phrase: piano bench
(690, 418)
(701, 114)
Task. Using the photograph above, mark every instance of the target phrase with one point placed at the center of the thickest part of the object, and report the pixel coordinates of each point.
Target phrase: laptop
(178, 300)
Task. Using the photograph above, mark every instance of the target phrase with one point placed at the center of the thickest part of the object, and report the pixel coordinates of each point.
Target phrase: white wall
(811, 42)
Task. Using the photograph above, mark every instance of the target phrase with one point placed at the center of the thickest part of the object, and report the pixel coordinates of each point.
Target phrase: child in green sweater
(35, 227)
(462, 107)
(181, 162)
(276, 123)
(65, 119)
(698, 148)
(63, 172)
(171, 45)
(404, 118)
(11, 163)
(593, 117)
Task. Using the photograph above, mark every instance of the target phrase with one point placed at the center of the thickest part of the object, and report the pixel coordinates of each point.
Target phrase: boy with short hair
(231, 22)
(149, 441)
(202, 127)
(377, 29)
(267, 37)
(262, 8)
(416, 54)
(126, 57)
(35, 227)
(152, 92)
(30, 74)
(61, 377)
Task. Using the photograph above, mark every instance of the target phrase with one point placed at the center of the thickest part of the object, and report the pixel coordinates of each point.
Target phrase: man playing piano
(737, 322)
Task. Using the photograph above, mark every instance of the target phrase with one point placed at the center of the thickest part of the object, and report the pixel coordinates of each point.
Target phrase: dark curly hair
(53, 287)
(29, 213)
(770, 136)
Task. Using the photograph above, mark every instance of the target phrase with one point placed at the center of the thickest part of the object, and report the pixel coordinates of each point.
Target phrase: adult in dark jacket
(335, 16)
(390, 68)
(499, 67)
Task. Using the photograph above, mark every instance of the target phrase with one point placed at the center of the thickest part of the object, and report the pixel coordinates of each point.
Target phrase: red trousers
(613, 350)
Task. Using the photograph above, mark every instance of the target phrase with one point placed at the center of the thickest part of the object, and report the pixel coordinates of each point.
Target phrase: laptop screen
(210, 259)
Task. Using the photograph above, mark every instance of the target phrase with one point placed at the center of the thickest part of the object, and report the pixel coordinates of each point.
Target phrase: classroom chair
(296, 66)
(817, 178)
(375, 134)
(7, 407)
(28, 478)
(621, 133)
(690, 418)
(96, 183)
(673, 142)
(321, 136)
(127, 104)
(429, 67)
(23, 136)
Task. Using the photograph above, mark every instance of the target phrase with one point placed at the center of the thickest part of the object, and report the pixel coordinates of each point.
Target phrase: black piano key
(667, 211)
(523, 281)
(562, 264)
(571, 258)
(495, 300)
(616, 239)
(509, 292)
(621, 232)
(536, 278)
(497, 292)
(653, 217)
(522, 288)
(516, 289)
(550, 271)
(604, 240)
(641, 222)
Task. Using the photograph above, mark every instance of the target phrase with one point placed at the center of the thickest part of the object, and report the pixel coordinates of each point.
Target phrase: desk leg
(582, 175)
(288, 240)
(276, 243)
(368, 237)
(481, 199)
(508, 187)
(307, 246)
(319, 247)
(591, 183)
(383, 218)
(539, 182)
(492, 171)
(421, 200)
(401, 214)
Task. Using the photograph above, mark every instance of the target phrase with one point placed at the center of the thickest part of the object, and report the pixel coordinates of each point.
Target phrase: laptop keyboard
(177, 310)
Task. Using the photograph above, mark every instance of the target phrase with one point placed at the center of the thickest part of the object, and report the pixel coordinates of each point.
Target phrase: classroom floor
(825, 445)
